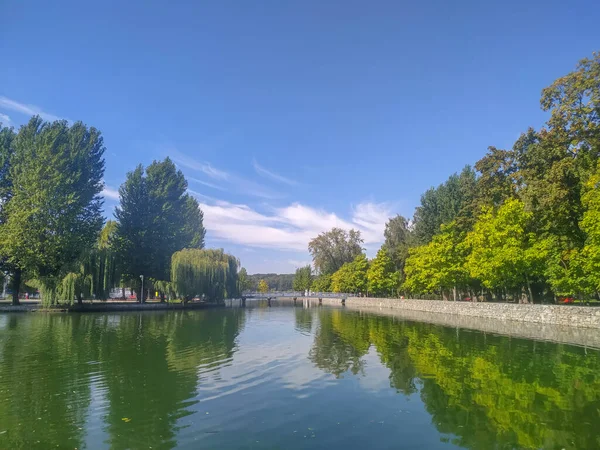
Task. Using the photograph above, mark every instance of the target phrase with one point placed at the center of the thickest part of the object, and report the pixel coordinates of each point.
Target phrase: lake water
(287, 378)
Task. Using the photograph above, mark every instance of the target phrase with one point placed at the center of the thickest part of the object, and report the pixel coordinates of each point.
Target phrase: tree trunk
(16, 284)
(523, 296)
(529, 289)
(162, 297)
(454, 292)
(122, 293)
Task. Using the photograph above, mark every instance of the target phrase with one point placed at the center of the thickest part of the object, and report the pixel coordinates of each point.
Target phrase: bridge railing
(297, 294)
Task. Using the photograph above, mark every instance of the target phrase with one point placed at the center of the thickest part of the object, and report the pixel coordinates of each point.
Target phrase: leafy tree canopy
(332, 249)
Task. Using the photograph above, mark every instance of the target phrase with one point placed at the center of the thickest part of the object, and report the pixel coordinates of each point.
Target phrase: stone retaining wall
(567, 315)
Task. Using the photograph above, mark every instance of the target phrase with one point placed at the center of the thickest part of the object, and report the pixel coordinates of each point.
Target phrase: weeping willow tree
(91, 276)
(209, 273)
(71, 288)
(164, 288)
(100, 272)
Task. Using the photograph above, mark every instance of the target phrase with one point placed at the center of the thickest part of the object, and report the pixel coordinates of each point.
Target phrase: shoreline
(572, 316)
(105, 307)
(542, 331)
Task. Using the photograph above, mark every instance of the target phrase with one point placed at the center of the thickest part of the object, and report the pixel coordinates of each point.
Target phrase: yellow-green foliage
(352, 276)
(263, 286)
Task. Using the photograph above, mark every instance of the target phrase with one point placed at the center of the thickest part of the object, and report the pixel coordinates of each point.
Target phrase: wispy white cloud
(203, 167)
(272, 175)
(201, 196)
(233, 181)
(371, 217)
(112, 194)
(29, 110)
(4, 119)
(206, 183)
(288, 228)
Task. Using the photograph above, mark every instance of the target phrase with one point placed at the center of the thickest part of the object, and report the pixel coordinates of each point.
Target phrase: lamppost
(142, 296)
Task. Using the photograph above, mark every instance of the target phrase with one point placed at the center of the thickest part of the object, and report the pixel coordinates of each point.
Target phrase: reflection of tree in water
(392, 346)
(44, 379)
(303, 318)
(148, 366)
(509, 393)
(151, 364)
(338, 346)
(487, 391)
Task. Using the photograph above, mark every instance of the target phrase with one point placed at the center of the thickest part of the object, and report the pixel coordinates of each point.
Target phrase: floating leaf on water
(126, 419)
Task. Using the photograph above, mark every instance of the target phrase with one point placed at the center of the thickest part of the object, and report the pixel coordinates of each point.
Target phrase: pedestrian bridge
(294, 296)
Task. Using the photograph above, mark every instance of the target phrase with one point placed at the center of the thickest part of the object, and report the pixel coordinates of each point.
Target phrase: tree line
(53, 236)
(523, 224)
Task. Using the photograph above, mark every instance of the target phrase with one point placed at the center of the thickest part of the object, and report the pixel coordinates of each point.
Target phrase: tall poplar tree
(155, 218)
(53, 213)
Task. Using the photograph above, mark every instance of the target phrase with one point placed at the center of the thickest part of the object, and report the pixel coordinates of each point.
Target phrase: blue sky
(290, 117)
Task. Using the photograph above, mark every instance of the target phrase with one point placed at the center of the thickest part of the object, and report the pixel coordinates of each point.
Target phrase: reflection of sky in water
(281, 398)
(96, 435)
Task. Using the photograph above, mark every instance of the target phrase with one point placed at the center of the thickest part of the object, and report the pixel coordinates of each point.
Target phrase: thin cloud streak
(206, 183)
(203, 167)
(272, 175)
(29, 110)
(234, 182)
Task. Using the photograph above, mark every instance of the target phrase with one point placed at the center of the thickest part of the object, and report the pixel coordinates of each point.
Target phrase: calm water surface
(286, 378)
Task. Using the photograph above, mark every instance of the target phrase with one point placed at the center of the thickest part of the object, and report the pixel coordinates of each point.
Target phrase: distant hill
(277, 282)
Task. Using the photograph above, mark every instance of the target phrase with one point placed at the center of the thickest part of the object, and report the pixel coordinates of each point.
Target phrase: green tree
(97, 271)
(398, 239)
(263, 287)
(243, 280)
(452, 200)
(7, 137)
(352, 276)
(209, 273)
(322, 283)
(590, 224)
(303, 279)
(332, 249)
(439, 265)
(277, 281)
(381, 276)
(503, 253)
(155, 219)
(54, 211)
(574, 101)
(497, 180)
(193, 232)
